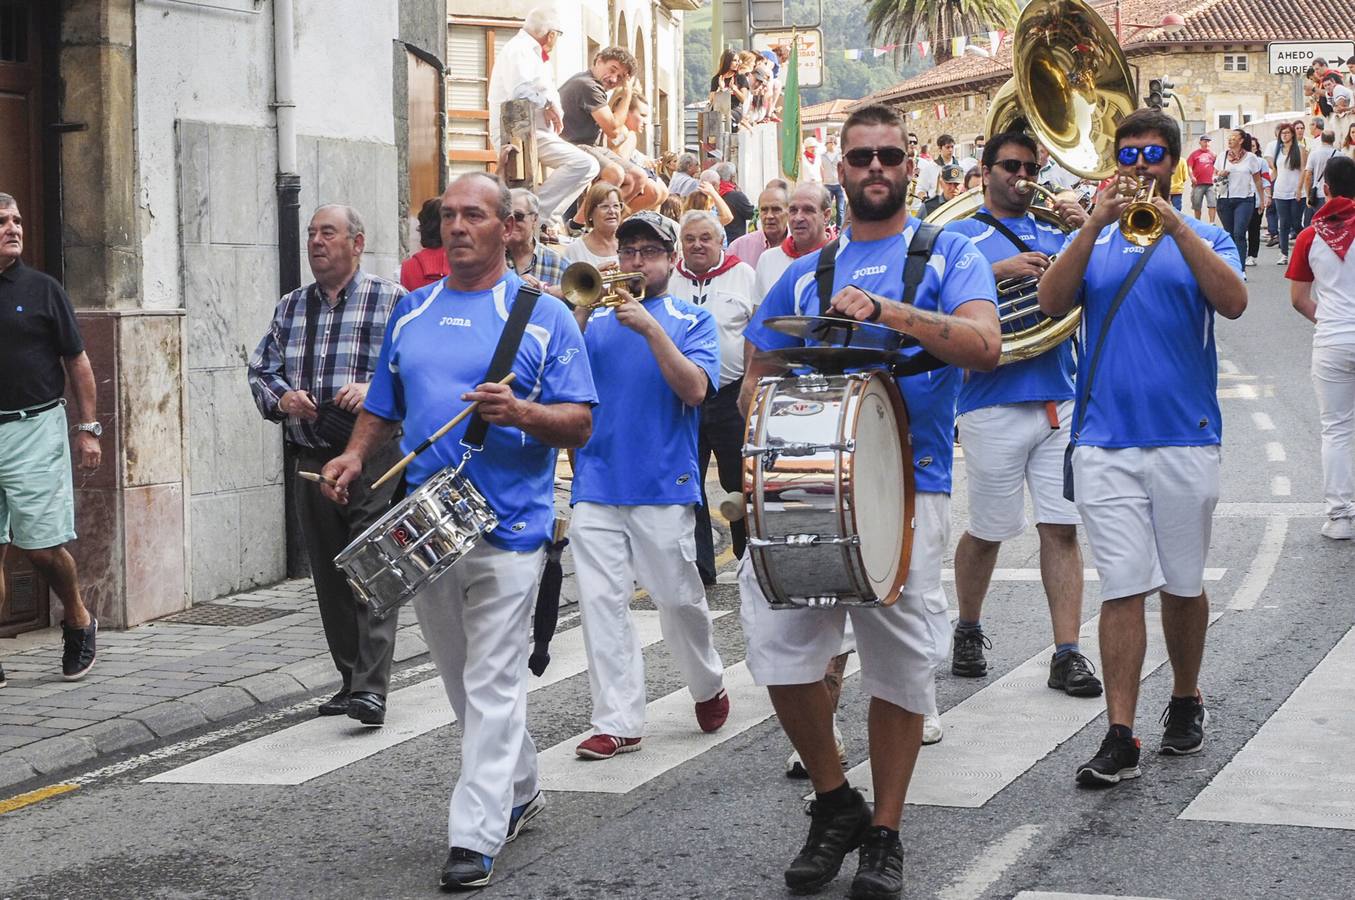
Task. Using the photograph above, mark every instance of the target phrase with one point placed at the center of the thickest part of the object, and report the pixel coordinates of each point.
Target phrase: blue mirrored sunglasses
(1152, 154)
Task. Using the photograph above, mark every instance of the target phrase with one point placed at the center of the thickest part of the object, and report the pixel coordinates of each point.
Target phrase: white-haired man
(809, 213)
(520, 73)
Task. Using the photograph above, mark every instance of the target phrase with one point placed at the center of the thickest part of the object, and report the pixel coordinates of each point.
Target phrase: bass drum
(828, 482)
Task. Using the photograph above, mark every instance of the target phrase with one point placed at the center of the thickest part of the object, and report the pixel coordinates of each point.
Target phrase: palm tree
(903, 22)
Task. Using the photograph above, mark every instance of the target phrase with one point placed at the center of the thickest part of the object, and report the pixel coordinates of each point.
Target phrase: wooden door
(425, 145)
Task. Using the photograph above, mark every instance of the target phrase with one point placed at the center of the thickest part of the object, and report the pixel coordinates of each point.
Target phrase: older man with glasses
(539, 266)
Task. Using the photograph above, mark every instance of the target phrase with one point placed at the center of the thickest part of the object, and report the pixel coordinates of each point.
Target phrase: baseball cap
(648, 222)
(1205, 137)
(952, 174)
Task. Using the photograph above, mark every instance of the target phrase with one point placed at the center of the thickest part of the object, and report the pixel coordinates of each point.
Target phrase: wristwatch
(93, 428)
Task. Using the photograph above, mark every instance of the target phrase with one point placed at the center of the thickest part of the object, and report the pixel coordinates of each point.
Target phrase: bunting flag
(923, 48)
(852, 54)
(995, 40)
(790, 116)
(888, 47)
(940, 110)
(878, 51)
(957, 45)
(916, 114)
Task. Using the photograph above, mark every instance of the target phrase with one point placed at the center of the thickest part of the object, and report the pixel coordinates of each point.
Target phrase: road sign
(1294, 57)
(811, 51)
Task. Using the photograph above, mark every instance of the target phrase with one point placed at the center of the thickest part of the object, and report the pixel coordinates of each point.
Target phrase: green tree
(905, 22)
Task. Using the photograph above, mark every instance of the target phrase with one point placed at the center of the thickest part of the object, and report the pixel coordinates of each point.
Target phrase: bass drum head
(879, 491)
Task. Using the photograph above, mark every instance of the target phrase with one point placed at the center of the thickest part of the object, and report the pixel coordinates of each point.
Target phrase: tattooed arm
(969, 339)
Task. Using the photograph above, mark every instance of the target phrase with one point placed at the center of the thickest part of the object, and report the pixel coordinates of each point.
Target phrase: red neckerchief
(726, 187)
(788, 247)
(809, 153)
(1335, 224)
(727, 262)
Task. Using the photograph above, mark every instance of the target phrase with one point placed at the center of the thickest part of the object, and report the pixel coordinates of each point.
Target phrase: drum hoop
(848, 511)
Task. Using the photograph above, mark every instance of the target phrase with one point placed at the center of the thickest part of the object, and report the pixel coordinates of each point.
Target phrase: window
(471, 48)
(1225, 120)
(969, 102)
(1247, 117)
(1235, 62)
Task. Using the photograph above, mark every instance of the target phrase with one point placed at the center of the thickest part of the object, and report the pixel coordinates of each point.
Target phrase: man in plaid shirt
(310, 372)
(540, 266)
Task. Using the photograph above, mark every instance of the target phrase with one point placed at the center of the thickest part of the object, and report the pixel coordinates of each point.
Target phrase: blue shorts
(37, 498)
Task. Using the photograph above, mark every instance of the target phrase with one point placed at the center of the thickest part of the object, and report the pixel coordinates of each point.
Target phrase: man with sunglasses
(539, 266)
(954, 318)
(1147, 430)
(656, 360)
(1014, 429)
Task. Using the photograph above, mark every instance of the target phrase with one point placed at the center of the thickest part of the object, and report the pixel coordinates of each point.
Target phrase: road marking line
(671, 739)
(1262, 422)
(19, 801)
(1263, 564)
(1279, 486)
(1089, 575)
(316, 747)
(1228, 367)
(1275, 451)
(1238, 392)
(993, 861)
(1046, 895)
(1285, 775)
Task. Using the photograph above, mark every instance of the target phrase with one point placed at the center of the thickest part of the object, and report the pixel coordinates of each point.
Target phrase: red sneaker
(605, 746)
(712, 713)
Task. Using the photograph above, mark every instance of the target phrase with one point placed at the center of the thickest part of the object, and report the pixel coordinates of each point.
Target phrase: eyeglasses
(520, 216)
(649, 253)
(1012, 166)
(607, 206)
(860, 157)
(1152, 154)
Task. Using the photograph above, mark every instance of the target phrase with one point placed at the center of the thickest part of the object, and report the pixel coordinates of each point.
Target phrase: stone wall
(227, 219)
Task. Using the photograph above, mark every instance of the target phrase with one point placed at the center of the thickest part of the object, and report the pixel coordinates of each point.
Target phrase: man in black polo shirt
(37, 498)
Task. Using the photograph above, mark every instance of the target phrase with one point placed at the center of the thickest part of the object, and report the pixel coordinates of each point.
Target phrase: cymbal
(832, 360)
(837, 330)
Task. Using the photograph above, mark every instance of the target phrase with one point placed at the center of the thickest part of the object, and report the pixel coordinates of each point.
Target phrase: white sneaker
(1342, 529)
(1282, 261)
(796, 769)
(932, 732)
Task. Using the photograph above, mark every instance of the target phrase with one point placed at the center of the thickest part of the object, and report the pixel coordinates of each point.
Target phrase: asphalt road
(725, 822)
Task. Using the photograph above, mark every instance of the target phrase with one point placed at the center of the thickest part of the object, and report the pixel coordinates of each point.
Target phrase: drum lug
(848, 446)
(804, 540)
(811, 381)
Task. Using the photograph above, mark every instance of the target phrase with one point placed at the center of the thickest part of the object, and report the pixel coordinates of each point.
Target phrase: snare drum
(828, 482)
(416, 541)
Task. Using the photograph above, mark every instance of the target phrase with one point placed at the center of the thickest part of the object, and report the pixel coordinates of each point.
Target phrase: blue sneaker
(523, 814)
(466, 870)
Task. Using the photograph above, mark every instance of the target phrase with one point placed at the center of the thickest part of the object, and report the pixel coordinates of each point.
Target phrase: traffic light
(1167, 90)
(1155, 95)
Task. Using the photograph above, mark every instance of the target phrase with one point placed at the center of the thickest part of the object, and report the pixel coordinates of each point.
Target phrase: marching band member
(475, 618)
(709, 277)
(1147, 428)
(636, 484)
(954, 318)
(1014, 430)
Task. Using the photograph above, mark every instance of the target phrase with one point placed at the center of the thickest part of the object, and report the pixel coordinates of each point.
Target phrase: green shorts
(37, 499)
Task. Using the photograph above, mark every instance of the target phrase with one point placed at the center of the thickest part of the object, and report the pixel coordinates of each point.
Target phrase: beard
(867, 210)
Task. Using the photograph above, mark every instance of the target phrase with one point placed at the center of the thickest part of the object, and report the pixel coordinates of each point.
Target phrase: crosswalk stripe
(671, 739)
(1287, 774)
(318, 746)
(1088, 575)
(996, 735)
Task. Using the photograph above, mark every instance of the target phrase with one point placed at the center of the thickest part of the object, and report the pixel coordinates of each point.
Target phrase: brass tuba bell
(588, 288)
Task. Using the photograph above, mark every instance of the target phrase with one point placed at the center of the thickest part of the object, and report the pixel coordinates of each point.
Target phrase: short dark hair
(1151, 121)
(617, 54)
(998, 141)
(505, 204)
(944, 139)
(1340, 177)
(874, 114)
(430, 223)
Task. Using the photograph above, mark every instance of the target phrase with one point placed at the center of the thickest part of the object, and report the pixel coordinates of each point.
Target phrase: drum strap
(501, 363)
(914, 270)
(1004, 231)
(1085, 381)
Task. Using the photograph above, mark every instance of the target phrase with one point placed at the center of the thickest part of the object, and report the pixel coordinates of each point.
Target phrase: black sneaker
(966, 658)
(77, 657)
(1073, 674)
(3, 682)
(1117, 760)
(466, 870)
(1185, 719)
(879, 875)
(833, 833)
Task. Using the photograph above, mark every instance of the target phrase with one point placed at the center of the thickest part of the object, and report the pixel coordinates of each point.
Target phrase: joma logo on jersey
(568, 355)
(458, 321)
(870, 270)
(1132, 249)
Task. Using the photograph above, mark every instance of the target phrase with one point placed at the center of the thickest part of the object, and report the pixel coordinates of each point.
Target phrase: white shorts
(900, 645)
(1007, 448)
(1148, 513)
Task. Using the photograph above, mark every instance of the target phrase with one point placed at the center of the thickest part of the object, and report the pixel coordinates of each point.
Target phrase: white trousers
(1334, 382)
(572, 170)
(615, 547)
(476, 620)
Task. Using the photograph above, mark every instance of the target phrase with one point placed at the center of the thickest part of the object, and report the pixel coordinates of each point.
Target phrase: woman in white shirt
(1289, 158)
(602, 212)
(1238, 175)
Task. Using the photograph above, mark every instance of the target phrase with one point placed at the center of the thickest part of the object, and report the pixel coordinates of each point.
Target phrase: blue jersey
(1157, 379)
(438, 346)
(643, 448)
(1048, 376)
(956, 274)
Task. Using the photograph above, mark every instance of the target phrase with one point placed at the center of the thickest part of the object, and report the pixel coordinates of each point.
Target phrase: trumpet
(1141, 223)
(586, 287)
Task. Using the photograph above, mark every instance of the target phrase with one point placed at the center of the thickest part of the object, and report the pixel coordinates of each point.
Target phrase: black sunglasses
(860, 157)
(1012, 166)
(521, 216)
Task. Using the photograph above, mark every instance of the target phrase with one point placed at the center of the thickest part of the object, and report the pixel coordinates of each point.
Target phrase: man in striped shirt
(310, 372)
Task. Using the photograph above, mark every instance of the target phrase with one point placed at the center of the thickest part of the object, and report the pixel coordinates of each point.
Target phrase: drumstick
(409, 457)
(317, 478)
